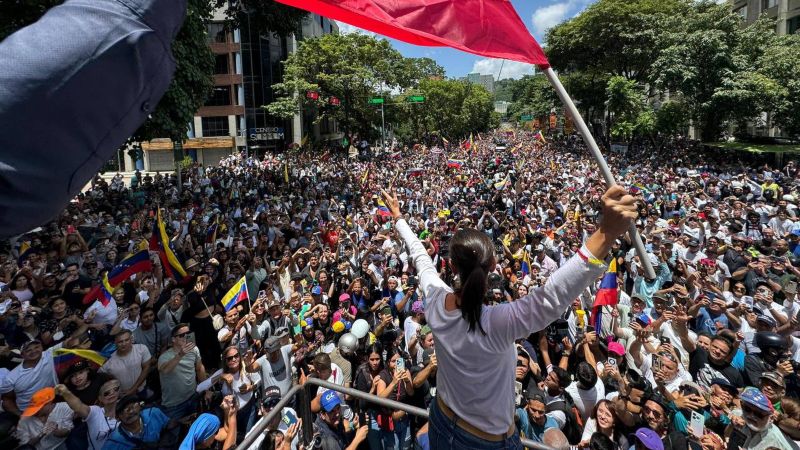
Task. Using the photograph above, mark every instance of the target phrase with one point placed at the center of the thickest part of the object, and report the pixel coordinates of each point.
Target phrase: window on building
(742, 12)
(220, 96)
(766, 4)
(215, 126)
(221, 65)
(216, 33)
(793, 25)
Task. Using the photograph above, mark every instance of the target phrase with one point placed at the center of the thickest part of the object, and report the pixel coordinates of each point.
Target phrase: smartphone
(697, 423)
(612, 362)
(262, 293)
(656, 364)
(736, 440)
(665, 340)
(401, 364)
(190, 337)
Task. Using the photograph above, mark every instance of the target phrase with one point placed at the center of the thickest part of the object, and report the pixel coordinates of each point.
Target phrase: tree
(710, 62)
(353, 68)
(616, 37)
(628, 109)
(781, 62)
(532, 95)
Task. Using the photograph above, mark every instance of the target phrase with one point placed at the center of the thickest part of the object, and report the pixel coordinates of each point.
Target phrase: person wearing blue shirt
(67, 108)
(532, 419)
(138, 428)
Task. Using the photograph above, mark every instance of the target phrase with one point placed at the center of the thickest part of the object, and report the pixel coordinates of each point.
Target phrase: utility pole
(383, 134)
(177, 155)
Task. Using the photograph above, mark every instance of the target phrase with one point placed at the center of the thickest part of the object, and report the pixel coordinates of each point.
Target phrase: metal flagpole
(589, 139)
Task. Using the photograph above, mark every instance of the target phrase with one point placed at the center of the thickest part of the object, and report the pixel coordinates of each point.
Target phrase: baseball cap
(344, 297)
(272, 344)
(774, 377)
(271, 397)
(693, 242)
(330, 400)
(755, 398)
(616, 348)
(767, 320)
(316, 290)
(281, 332)
(726, 385)
(39, 400)
(790, 288)
(425, 330)
(386, 310)
(649, 438)
(417, 307)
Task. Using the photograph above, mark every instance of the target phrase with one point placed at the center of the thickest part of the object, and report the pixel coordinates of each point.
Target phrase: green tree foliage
(781, 63)
(353, 68)
(532, 95)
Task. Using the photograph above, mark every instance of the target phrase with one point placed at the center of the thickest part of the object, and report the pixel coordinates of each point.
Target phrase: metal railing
(304, 411)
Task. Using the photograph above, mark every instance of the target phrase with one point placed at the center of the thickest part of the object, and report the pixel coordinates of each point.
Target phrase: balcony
(227, 79)
(227, 110)
(221, 48)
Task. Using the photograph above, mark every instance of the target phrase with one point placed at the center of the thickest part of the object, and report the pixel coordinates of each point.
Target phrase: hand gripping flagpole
(590, 142)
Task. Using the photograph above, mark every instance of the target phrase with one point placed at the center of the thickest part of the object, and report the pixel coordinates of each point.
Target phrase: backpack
(573, 426)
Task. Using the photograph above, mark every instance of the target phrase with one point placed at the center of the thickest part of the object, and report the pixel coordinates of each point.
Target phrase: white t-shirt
(100, 427)
(27, 381)
(30, 427)
(411, 328)
(586, 399)
(278, 373)
(238, 381)
(127, 368)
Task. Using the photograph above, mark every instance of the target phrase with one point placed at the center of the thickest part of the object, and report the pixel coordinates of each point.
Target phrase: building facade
(248, 61)
(785, 12)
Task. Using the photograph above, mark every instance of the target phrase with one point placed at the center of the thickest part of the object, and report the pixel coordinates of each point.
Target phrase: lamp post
(177, 156)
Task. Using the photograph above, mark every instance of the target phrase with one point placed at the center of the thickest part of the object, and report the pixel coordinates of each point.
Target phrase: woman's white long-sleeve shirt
(475, 376)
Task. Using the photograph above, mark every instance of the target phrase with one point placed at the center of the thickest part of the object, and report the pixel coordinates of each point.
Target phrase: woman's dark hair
(610, 407)
(376, 348)
(269, 440)
(472, 254)
(600, 441)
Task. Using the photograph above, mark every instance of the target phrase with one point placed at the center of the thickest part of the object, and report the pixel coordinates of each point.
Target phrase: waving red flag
(484, 27)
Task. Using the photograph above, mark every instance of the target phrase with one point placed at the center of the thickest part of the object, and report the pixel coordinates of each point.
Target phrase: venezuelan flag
(455, 163)
(383, 210)
(540, 137)
(500, 185)
(134, 263)
(364, 178)
(414, 172)
(102, 293)
(63, 358)
(25, 251)
(606, 295)
(159, 242)
(525, 265)
(236, 294)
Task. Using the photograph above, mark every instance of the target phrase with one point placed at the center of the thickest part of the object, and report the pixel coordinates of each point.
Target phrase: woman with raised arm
(474, 407)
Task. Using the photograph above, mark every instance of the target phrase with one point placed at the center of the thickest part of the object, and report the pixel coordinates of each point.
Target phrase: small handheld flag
(455, 163)
(63, 358)
(383, 211)
(236, 294)
(606, 294)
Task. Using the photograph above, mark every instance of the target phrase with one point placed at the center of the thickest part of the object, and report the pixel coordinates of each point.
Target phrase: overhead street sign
(415, 98)
(526, 118)
(376, 100)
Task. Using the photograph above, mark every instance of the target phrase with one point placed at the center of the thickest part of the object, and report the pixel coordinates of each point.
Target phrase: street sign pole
(383, 135)
(177, 155)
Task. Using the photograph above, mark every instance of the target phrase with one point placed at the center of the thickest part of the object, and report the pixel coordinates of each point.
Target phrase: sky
(538, 16)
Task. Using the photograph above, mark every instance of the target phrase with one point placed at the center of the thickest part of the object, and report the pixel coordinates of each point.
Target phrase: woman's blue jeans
(444, 432)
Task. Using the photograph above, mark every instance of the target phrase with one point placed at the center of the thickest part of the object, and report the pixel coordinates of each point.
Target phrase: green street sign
(376, 100)
(526, 118)
(415, 98)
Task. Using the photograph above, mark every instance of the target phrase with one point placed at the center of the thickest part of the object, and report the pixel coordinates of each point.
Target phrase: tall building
(248, 61)
(785, 12)
(487, 81)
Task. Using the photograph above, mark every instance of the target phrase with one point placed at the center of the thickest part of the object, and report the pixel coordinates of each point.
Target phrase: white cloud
(549, 16)
(346, 28)
(511, 69)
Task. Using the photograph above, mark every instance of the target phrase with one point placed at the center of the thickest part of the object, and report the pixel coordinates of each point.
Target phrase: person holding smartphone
(475, 343)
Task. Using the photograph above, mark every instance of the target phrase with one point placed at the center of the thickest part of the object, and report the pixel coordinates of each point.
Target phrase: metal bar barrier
(261, 425)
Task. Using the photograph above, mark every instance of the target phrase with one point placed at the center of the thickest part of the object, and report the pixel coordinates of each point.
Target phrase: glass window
(221, 66)
(792, 25)
(769, 4)
(220, 96)
(742, 12)
(215, 126)
(216, 33)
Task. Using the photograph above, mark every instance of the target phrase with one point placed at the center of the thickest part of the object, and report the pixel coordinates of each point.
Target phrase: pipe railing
(304, 411)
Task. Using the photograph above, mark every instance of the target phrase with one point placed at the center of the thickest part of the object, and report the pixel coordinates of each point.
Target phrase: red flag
(483, 27)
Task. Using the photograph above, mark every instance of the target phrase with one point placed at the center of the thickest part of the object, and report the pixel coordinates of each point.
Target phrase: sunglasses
(231, 357)
(656, 414)
(110, 391)
(182, 335)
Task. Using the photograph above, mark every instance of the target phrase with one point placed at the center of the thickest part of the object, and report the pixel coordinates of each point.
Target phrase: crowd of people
(705, 355)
